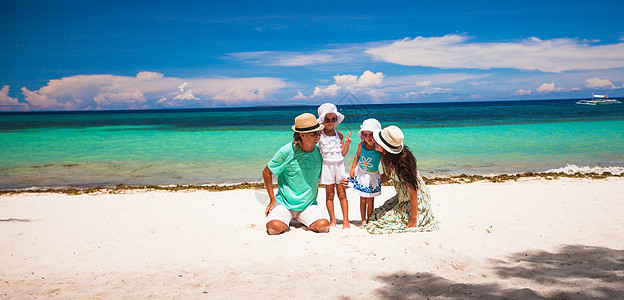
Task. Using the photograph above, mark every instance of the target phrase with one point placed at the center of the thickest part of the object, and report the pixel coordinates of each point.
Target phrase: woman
(410, 209)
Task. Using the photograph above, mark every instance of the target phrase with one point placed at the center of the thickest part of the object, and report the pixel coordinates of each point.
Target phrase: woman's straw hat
(327, 108)
(371, 125)
(390, 138)
(307, 123)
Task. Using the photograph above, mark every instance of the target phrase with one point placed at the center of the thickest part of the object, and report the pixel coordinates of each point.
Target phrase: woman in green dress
(410, 209)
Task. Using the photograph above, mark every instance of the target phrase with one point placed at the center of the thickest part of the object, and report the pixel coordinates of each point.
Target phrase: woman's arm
(268, 184)
(413, 221)
(384, 177)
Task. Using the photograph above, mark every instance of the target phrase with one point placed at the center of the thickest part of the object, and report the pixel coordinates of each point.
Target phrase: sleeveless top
(369, 160)
(330, 147)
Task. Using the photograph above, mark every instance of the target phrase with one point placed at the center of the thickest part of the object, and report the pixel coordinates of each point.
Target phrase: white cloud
(475, 97)
(548, 87)
(410, 81)
(8, 103)
(237, 90)
(596, 82)
(427, 91)
(455, 51)
(185, 93)
(331, 90)
(85, 92)
(284, 58)
(364, 84)
(299, 96)
(522, 92)
(367, 78)
(377, 86)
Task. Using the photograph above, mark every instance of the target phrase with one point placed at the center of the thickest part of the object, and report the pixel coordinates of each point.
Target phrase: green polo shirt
(298, 175)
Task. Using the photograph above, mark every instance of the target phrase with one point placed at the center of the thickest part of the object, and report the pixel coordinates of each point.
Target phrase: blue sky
(90, 55)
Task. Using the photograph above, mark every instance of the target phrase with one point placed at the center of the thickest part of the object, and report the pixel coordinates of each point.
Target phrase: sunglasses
(367, 135)
(314, 133)
(332, 120)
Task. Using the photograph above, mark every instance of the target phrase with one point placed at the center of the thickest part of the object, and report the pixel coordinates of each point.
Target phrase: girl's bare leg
(370, 204)
(344, 205)
(329, 200)
(363, 210)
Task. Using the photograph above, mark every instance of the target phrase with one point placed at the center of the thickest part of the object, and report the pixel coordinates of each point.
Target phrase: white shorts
(306, 217)
(333, 171)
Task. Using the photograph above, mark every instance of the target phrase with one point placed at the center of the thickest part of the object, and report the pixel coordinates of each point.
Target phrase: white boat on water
(598, 100)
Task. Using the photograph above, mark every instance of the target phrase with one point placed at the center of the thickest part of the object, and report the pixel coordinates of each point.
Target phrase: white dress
(334, 168)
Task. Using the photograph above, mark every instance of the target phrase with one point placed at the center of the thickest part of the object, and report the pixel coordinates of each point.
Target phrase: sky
(109, 55)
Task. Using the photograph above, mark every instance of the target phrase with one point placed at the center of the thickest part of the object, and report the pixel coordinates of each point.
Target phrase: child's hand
(347, 139)
(345, 183)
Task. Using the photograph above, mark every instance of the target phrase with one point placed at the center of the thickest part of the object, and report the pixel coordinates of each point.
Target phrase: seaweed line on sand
(456, 179)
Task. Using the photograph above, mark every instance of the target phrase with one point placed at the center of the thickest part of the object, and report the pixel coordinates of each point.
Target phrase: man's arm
(268, 184)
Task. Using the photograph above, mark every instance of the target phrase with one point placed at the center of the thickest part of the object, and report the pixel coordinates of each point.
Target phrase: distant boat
(598, 100)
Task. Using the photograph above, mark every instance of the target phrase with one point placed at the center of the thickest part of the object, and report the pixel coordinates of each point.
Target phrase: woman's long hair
(403, 164)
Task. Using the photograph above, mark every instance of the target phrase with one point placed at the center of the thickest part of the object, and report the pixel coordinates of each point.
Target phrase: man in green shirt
(298, 168)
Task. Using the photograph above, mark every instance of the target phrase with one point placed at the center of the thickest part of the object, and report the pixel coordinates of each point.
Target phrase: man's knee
(320, 226)
(276, 227)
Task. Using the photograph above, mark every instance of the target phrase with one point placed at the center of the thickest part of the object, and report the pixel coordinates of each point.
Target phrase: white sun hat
(390, 138)
(371, 125)
(327, 108)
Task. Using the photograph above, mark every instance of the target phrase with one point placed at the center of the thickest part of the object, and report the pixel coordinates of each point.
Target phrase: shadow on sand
(13, 220)
(575, 272)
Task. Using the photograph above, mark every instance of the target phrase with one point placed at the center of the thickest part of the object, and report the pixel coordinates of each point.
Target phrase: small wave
(572, 169)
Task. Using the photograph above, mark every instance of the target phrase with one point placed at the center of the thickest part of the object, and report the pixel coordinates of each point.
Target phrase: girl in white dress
(333, 147)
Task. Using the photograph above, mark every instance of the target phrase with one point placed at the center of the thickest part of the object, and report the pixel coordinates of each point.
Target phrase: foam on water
(573, 169)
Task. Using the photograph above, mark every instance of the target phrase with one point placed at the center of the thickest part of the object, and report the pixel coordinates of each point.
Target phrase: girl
(365, 179)
(410, 209)
(333, 147)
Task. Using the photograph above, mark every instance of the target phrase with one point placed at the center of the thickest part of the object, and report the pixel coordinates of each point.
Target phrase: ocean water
(209, 146)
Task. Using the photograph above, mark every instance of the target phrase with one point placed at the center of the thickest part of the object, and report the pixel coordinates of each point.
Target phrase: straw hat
(327, 108)
(307, 123)
(371, 125)
(390, 138)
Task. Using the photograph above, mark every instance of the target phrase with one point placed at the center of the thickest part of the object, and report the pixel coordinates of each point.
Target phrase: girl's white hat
(390, 138)
(327, 108)
(371, 125)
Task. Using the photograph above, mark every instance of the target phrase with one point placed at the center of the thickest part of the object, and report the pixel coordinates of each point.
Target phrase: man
(298, 168)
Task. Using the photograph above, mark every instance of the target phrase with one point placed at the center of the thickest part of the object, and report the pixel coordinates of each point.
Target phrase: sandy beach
(530, 238)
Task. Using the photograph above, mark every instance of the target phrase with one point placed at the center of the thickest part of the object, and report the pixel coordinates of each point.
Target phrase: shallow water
(234, 145)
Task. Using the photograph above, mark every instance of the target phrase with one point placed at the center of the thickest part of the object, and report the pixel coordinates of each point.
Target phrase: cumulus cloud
(147, 90)
(8, 103)
(185, 93)
(378, 86)
(596, 82)
(548, 87)
(363, 84)
(522, 92)
(331, 90)
(456, 51)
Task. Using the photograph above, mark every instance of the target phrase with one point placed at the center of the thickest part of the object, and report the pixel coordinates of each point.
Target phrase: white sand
(526, 239)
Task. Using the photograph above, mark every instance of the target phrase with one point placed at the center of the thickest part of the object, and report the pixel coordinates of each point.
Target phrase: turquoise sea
(208, 146)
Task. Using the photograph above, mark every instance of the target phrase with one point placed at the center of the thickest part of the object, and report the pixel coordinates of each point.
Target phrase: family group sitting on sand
(317, 153)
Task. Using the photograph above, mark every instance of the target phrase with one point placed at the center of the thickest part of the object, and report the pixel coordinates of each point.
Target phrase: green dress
(393, 216)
